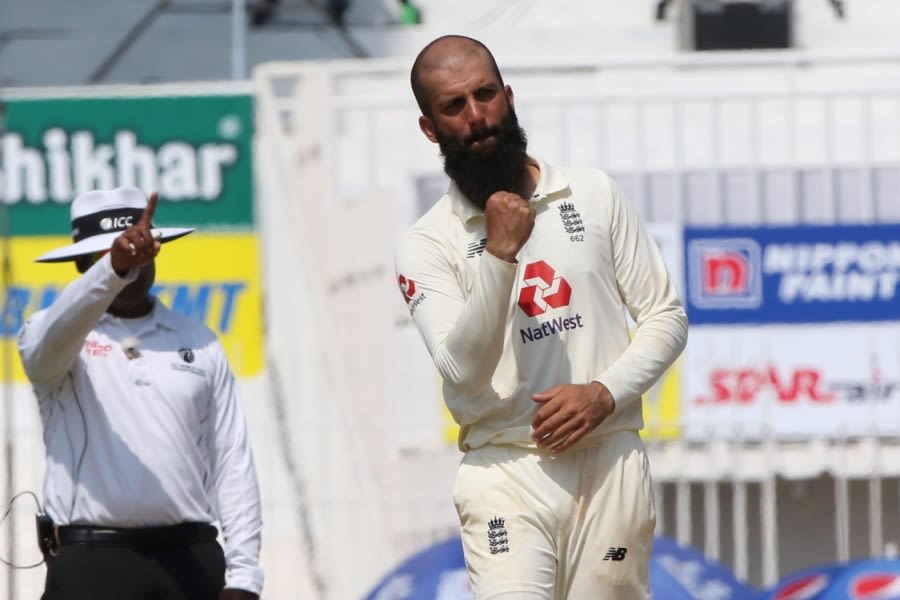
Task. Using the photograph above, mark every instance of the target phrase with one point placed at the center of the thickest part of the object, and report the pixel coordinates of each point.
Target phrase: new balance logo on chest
(474, 249)
(616, 554)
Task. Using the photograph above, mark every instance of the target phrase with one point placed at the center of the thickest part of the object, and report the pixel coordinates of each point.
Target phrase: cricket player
(518, 280)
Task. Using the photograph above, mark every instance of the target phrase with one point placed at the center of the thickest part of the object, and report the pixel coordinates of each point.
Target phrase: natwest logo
(408, 287)
(745, 385)
(544, 289)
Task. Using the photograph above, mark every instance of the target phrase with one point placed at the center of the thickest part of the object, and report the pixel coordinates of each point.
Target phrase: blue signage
(193, 300)
(799, 274)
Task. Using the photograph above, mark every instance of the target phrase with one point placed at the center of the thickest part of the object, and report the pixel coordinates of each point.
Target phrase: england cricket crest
(497, 535)
(571, 218)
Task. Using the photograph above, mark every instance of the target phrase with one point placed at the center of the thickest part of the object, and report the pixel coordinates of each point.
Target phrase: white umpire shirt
(151, 439)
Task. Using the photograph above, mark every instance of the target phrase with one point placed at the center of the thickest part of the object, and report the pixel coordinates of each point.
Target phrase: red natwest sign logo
(544, 289)
(408, 287)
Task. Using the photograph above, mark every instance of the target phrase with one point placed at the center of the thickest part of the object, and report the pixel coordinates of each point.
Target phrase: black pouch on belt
(46, 535)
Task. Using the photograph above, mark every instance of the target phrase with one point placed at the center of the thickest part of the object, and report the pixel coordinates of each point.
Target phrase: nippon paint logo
(67, 163)
(725, 273)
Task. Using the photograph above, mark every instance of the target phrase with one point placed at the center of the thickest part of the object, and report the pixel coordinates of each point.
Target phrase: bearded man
(516, 280)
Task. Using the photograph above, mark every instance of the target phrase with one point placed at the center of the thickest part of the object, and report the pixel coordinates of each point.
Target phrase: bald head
(449, 52)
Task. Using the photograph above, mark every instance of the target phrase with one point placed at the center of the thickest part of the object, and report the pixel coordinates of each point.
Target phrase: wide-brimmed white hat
(100, 216)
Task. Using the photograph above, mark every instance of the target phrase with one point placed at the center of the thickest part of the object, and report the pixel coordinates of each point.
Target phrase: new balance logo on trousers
(616, 554)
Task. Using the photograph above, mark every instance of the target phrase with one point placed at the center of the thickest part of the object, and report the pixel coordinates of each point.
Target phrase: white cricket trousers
(571, 526)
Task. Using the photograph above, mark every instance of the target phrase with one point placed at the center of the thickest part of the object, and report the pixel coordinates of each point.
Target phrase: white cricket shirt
(500, 332)
(153, 440)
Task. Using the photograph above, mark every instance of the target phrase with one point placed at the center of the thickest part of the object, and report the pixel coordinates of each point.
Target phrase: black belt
(137, 537)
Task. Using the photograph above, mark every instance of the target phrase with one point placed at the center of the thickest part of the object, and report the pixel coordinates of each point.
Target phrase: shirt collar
(550, 181)
(161, 316)
(164, 316)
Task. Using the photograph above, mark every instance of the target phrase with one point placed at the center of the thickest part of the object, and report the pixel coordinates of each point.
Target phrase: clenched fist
(510, 219)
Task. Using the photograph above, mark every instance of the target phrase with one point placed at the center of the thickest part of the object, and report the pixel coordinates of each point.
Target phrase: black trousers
(193, 571)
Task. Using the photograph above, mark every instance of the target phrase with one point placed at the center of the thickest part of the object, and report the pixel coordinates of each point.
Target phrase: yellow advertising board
(212, 277)
(662, 407)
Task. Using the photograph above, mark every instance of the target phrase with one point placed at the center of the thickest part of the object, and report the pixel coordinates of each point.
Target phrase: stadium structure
(760, 139)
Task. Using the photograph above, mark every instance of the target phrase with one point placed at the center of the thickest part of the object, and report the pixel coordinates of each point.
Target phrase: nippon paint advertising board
(795, 331)
(793, 275)
(831, 380)
(195, 151)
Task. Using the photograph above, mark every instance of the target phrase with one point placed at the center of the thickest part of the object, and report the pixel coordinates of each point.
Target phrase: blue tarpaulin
(676, 573)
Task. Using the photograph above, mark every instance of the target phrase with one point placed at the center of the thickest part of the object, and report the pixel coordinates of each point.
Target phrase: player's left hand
(229, 594)
(568, 412)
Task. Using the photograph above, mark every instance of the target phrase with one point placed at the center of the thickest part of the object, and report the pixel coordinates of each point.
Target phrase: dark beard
(478, 175)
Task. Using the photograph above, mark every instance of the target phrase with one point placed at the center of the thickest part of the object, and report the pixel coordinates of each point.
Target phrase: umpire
(146, 442)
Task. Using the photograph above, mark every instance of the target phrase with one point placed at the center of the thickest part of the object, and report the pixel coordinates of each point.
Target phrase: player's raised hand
(568, 413)
(137, 245)
(510, 219)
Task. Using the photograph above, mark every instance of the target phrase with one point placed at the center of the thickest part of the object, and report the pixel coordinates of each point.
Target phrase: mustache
(477, 136)
(480, 174)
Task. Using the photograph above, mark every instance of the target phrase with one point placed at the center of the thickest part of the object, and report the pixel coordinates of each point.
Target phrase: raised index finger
(147, 215)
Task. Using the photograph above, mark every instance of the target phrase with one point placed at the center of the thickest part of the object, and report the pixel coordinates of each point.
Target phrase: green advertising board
(195, 151)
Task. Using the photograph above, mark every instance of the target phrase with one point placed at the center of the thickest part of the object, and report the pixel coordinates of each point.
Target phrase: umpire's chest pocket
(186, 389)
